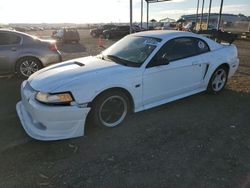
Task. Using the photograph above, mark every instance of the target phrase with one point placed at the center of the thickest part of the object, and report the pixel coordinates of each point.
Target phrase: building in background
(225, 18)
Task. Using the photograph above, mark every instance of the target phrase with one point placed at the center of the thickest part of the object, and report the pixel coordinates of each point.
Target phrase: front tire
(218, 80)
(110, 109)
(27, 66)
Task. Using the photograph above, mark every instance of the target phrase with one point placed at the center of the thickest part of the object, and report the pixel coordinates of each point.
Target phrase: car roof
(166, 34)
(16, 32)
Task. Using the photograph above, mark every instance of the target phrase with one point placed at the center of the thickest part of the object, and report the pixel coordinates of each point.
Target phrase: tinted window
(9, 38)
(180, 48)
(201, 46)
(4, 39)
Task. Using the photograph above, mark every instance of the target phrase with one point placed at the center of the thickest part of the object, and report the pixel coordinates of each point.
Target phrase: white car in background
(141, 71)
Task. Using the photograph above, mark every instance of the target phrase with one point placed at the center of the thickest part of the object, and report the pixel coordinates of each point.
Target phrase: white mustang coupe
(140, 71)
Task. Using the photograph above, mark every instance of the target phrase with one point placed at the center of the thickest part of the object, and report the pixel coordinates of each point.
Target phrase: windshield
(131, 50)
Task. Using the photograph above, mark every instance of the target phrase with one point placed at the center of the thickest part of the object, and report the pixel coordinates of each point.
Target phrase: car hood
(55, 76)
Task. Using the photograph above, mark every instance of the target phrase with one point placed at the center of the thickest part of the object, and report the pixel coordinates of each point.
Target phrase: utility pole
(141, 13)
(131, 15)
(219, 19)
(201, 18)
(209, 12)
(197, 11)
(147, 12)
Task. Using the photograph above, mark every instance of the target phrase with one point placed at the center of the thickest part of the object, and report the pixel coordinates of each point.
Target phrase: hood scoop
(78, 63)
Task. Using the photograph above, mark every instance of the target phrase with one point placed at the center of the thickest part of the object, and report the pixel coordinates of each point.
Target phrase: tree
(153, 21)
(241, 15)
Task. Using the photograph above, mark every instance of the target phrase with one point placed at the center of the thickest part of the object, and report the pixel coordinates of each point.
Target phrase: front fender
(86, 92)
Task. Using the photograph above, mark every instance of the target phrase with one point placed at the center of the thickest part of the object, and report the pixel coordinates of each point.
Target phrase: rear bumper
(51, 58)
(233, 67)
(43, 122)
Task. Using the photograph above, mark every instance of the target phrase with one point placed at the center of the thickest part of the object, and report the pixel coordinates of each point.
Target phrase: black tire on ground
(27, 66)
(110, 109)
(218, 80)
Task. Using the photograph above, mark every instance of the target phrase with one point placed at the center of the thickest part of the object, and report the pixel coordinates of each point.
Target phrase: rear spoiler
(219, 35)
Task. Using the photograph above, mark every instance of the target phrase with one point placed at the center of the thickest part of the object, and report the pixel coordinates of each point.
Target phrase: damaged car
(139, 72)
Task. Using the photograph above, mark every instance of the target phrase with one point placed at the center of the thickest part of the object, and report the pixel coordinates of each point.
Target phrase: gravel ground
(199, 141)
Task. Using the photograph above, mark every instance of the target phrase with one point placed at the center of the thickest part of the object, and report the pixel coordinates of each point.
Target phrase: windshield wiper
(101, 56)
(117, 59)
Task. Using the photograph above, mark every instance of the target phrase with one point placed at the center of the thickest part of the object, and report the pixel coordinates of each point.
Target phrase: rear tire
(110, 109)
(218, 80)
(27, 66)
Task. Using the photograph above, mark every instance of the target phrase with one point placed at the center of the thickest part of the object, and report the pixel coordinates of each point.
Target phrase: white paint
(158, 85)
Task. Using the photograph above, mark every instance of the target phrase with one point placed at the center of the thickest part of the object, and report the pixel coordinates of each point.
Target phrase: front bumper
(43, 122)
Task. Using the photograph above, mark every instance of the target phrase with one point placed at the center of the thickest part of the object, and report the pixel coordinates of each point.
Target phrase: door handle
(13, 49)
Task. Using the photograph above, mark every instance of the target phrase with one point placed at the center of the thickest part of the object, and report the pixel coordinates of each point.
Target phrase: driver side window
(179, 48)
(176, 49)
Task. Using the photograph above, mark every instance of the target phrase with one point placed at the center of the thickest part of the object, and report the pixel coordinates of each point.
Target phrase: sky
(104, 11)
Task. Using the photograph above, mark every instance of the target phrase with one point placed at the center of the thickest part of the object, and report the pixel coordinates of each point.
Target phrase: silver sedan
(25, 54)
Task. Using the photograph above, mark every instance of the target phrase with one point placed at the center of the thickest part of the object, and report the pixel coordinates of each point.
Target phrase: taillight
(53, 47)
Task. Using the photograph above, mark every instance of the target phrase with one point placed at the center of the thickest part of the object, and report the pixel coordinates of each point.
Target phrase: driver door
(180, 74)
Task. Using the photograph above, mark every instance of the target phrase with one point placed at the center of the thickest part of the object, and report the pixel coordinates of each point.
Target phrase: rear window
(9, 39)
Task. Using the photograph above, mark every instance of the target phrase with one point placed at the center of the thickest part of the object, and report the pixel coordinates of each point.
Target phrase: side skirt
(164, 101)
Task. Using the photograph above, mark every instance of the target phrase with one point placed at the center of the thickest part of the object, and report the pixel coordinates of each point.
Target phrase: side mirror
(163, 60)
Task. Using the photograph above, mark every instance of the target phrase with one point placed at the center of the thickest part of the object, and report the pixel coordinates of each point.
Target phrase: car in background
(169, 26)
(136, 28)
(25, 54)
(66, 35)
(139, 72)
(96, 32)
(116, 32)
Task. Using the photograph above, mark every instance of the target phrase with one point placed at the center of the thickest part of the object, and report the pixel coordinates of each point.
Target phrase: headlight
(58, 98)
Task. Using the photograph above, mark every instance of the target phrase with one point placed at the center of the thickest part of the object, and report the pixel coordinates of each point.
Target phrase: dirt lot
(199, 141)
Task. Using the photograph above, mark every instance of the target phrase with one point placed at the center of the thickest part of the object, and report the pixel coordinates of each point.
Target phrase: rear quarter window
(201, 46)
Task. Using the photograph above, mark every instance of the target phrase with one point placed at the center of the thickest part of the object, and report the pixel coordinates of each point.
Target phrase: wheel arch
(120, 89)
(27, 56)
(226, 65)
